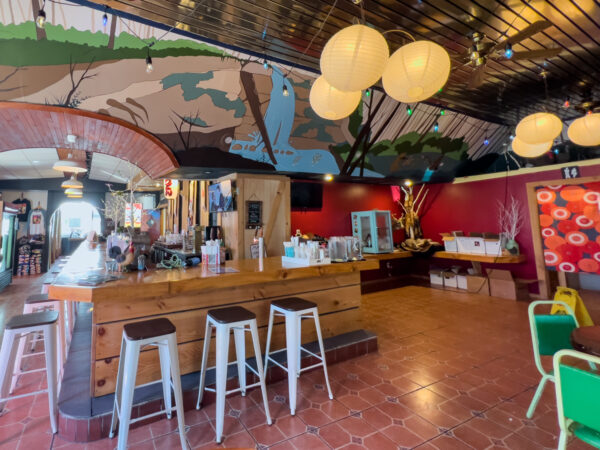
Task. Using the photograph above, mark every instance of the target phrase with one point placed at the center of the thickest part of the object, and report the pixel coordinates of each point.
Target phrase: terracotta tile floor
(453, 371)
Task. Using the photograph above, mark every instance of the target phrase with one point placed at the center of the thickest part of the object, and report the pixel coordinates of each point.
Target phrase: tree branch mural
(72, 100)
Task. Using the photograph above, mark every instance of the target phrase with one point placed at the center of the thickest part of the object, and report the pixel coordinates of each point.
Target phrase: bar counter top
(89, 258)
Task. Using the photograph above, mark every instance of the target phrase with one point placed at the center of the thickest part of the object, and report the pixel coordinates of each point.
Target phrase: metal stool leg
(7, 357)
(165, 371)
(240, 351)
(299, 345)
(18, 366)
(322, 349)
(206, 347)
(269, 333)
(118, 391)
(259, 369)
(176, 377)
(50, 332)
(221, 378)
(132, 355)
(292, 344)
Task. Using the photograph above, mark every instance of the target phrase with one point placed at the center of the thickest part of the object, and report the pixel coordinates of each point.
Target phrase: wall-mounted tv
(220, 197)
(306, 195)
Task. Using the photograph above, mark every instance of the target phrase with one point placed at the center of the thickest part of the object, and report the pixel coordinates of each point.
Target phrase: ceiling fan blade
(537, 54)
(526, 32)
(477, 77)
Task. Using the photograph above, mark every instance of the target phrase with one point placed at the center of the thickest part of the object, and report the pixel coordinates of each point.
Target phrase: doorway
(69, 226)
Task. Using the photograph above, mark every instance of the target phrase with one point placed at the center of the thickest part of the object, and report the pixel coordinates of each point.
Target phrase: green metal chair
(549, 334)
(577, 394)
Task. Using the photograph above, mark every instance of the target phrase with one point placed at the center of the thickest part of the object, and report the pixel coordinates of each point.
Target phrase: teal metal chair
(577, 394)
(549, 334)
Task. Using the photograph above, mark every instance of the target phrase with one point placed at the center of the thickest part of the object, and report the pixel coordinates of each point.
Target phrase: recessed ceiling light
(71, 138)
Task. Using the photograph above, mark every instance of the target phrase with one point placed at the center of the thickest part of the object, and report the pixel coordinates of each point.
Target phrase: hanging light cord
(406, 33)
(312, 40)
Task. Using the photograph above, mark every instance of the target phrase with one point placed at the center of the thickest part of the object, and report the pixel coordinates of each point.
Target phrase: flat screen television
(306, 195)
(220, 197)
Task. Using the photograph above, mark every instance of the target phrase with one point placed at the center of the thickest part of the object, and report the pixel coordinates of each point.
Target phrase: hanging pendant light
(73, 191)
(585, 131)
(539, 128)
(331, 103)
(72, 183)
(354, 58)
(70, 165)
(416, 71)
(529, 150)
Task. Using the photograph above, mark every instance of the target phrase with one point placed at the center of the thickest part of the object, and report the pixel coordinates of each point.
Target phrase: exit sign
(570, 172)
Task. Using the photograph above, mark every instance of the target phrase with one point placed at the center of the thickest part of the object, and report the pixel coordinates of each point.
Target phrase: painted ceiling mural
(218, 107)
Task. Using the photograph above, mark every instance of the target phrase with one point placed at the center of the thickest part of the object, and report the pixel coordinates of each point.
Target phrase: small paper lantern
(539, 128)
(354, 58)
(416, 71)
(585, 131)
(529, 150)
(331, 103)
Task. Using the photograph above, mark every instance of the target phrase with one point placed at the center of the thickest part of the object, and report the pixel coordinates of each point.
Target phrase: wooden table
(476, 260)
(587, 340)
(185, 295)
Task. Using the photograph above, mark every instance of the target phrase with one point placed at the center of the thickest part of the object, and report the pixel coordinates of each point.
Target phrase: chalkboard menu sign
(253, 214)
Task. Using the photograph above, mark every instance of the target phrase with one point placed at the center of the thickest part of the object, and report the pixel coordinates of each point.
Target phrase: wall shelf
(508, 259)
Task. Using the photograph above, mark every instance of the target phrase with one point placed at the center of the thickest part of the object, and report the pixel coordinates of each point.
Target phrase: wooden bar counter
(185, 295)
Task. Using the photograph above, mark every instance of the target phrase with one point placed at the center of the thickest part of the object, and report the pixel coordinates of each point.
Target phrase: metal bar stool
(156, 332)
(18, 327)
(224, 320)
(295, 309)
(33, 304)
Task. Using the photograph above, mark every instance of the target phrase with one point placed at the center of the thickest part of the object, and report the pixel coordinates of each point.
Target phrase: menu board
(253, 214)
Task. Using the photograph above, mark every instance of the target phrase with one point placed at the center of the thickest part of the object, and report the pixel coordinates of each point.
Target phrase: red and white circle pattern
(547, 232)
(551, 258)
(592, 197)
(577, 238)
(567, 267)
(584, 222)
(560, 213)
(596, 256)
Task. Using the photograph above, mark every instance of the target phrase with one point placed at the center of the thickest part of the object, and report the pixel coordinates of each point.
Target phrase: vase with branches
(510, 222)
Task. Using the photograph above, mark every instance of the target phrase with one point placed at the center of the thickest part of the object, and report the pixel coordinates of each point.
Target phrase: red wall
(467, 207)
(473, 206)
(339, 200)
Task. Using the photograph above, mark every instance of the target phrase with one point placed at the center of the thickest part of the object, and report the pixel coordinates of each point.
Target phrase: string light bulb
(408, 183)
(508, 51)
(149, 66)
(285, 91)
(436, 127)
(40, 20)
(442, 112)
(409, 111)
(328, 177)
(486, 141)
(266, 64)
(105, 16)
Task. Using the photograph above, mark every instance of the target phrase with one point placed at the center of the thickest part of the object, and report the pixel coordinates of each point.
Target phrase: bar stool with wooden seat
(156, 332)
(33, 304)
(18, 327)
(295, 309)
(240, 320)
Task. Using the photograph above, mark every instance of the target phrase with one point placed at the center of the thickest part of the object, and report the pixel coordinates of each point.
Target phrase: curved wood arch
(27, 125)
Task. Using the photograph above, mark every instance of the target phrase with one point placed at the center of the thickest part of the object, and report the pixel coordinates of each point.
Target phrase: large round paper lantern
(354, 58)
(331, 103)
(585, 131)
(528, 150)
(416, 71)
(539, 128)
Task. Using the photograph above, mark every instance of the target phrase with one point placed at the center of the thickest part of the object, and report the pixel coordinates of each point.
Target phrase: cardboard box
(436, 277)
(450, 244)
(470, 244)
(450, 280)
(461, 281)
(478, 284)
(503, 285)
(494, 244)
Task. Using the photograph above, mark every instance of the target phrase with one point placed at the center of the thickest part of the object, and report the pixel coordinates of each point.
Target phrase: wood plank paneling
(28, 125)
(190, 324)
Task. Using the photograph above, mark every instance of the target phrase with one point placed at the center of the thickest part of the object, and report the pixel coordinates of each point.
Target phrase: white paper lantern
(331, 103)
(529, 150)
(354, 58)
(585, 131)
(539, 128)
(416, 71)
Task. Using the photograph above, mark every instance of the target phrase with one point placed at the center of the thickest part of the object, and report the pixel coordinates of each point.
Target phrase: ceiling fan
(481, 51)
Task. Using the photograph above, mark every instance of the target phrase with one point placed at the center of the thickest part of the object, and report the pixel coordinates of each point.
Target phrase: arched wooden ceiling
(26, 125)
